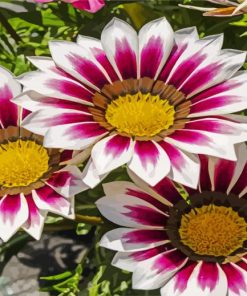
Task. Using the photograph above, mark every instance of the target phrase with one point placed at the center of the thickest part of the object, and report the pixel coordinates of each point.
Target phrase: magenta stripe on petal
(191, 137)
(63, 104)
(151, 56)
(235, 279)
(241, 184)
(85, 130)
(70, 88)
(144, 196)
(182, 277)
(201, 78)
(215, 90)
(174, 56)
(208, 276)
(223, 173)
(211, 104)
(33, 211)
(174, 154)
(66, 118)
(145, 215)
(185, 69)
(145, 236)
(125, 59)
(205, 182)
(60, 179)
(169, 261)
(101, 57)
(143, 255)
(167, 189)
(8, 110)
(117, 145)
(88, 70)
(147, 152)
(211, 125)
(52, 198)
(9, 207)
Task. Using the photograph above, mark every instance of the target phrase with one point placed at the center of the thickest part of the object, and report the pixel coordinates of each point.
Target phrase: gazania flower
(87, 5)
(231, 9)
(153, 100)
(33, 179)
(190, 245)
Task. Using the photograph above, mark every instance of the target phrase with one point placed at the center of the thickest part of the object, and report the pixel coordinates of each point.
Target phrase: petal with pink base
(183, 38)
(9, 88)
(128, 260)
(120, 43)
(207, 279)
(178, 284)
(155, 44)
(125, 239)
(130, 211)
(227, 97)
(67, 181)
(155, 272)
(202, 142)
(34, 101)
(112, 152)
(150, 162)
(36, 219)
(56, 86)
(236, 278)
(130, 189)
(13, 214)
(185, 167)
(95, 47)
(41, 121)
(74, 136)
(48, 199)
(79, 63)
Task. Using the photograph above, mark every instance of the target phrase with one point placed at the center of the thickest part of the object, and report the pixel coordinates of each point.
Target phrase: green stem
(94, 220)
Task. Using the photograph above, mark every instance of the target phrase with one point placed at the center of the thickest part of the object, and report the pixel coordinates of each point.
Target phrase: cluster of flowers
(160, 102)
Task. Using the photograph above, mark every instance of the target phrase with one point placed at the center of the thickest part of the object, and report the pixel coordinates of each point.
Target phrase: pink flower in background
(153, 100)
(87, 5)
(190, 244)
(33, 180)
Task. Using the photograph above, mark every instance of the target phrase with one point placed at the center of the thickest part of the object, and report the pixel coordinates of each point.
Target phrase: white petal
(149, 162)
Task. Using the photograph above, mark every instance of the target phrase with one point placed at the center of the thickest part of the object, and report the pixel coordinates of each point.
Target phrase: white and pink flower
(186, 243)
(33, 180)
(153, 100)
(87, 5)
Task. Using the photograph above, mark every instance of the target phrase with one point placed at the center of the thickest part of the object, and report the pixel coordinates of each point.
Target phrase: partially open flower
(232, 9)
(154, 100)
(190, 242)
(33, 179)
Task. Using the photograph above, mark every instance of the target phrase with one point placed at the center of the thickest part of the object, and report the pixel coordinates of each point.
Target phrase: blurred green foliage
(25, 30)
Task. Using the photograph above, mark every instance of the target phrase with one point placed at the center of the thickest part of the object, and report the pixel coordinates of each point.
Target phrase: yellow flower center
(142, 115)
(213, 230)
(22, 163)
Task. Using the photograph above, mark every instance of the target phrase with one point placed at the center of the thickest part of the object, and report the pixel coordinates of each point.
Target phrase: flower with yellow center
(140, 115)
(22, 163)
(213, 230)
(186, 242)
(153, 100)
(33, 179)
